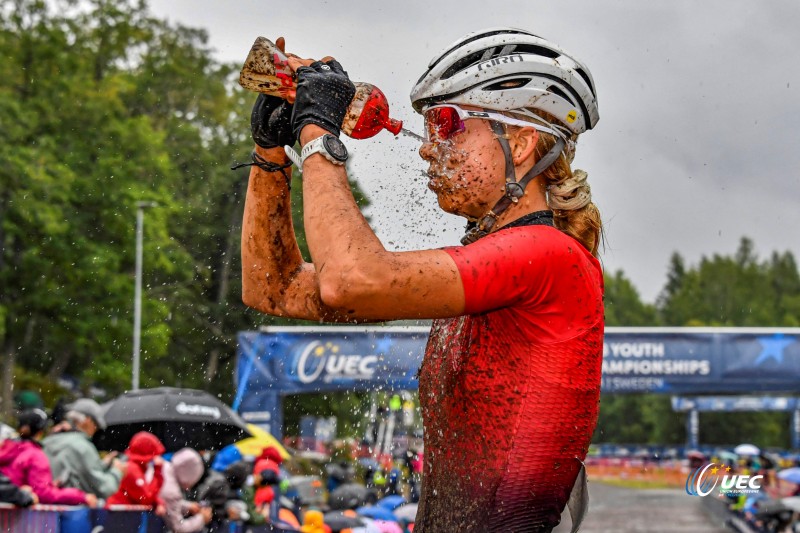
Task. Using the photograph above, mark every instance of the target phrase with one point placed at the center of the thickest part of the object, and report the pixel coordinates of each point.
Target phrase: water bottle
(266, 70)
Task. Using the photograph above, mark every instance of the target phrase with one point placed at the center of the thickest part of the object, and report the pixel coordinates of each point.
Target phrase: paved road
(620, 510)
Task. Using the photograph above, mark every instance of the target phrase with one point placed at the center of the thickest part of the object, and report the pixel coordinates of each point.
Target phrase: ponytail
(569, 195)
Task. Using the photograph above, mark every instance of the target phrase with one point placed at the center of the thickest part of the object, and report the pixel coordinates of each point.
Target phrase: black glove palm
(324, 93)
(271, 122)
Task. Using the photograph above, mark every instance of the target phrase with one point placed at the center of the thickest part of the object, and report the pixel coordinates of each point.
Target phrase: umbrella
(388, 526)
(792, 503)
(178, 417)
(260, 439)
(377, 513)
(348, 496)
(728, 457)
(338, 521)
(746, 449)
(770, 460)
(369, 527)
(369, 462)
(406, 512)
(792, 475)
(391, 502)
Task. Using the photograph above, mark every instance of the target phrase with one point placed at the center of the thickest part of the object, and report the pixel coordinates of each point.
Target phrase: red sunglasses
(443, 122)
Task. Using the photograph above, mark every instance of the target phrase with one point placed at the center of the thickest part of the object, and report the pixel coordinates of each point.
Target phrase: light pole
(137, 298)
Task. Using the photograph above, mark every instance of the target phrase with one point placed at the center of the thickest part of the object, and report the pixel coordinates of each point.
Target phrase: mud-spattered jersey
(510, 390)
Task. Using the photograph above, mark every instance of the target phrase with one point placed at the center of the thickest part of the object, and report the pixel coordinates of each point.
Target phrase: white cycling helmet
(508, 69)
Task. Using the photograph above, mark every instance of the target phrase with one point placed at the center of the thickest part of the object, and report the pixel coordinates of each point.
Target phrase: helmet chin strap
(514, 189)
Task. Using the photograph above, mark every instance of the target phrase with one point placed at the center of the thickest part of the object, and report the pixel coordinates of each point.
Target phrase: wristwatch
(328, 145)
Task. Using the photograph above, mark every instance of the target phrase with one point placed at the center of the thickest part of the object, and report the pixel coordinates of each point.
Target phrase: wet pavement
(621, 510)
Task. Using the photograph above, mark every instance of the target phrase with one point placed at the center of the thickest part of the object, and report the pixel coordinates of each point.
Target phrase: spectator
(226, 457)
(236, 506)
(28, 399)
(213, 490)
(313, 522)
(59, 411)
(143, 479)
(73, 457)
(25, 463)
(267, 474)
(19, 496)
(180, 475)
(258, 514)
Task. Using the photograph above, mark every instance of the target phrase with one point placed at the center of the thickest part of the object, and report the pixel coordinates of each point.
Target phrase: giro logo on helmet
(499, 61)
(572, 116)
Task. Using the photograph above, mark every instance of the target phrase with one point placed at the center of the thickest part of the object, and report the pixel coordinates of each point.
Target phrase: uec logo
(703, 480)
(316, 360)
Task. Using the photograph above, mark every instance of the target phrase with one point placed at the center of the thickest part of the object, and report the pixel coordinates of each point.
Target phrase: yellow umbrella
(260, 439)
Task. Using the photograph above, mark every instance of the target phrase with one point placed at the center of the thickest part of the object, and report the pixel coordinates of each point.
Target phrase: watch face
(335, 147)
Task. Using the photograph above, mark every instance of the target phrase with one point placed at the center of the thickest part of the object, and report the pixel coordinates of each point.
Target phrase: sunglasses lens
(441, 123)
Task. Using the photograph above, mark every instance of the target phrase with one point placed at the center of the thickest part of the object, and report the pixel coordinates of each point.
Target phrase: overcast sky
(697, 143)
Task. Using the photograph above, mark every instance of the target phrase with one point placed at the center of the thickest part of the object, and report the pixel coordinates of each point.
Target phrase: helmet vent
(537, 50)
(477, 37)
(555, 90)
(494, 52)
(586, 78)
(467, 61)
(507, 84)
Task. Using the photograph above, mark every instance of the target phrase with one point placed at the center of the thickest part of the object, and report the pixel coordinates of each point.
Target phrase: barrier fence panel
(118, 519)
(39, 519)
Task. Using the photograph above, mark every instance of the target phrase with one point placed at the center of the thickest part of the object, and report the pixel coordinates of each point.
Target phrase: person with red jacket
(24, 462)
(267, 473)
(143, 479)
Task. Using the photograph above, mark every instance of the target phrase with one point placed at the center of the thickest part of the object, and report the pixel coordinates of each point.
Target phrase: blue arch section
(275, 362)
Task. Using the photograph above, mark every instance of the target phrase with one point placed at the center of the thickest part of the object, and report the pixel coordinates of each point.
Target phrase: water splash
(413, 135)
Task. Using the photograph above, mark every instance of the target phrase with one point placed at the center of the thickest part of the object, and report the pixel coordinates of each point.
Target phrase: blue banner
(281, 361)
(700, 360)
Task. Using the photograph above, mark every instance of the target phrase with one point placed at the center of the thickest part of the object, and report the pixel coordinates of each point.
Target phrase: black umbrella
(348, 496)
(179, 417)
(338, 521)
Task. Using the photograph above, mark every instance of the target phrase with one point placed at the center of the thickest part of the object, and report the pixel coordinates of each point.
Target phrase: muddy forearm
(270, 255)
(338, 234)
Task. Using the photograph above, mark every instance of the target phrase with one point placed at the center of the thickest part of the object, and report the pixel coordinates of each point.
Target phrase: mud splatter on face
(447, 161)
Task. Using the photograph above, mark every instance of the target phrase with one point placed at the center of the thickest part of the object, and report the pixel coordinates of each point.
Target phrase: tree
(732, 291)
(623, 306)
(103, 105)
(74, 161)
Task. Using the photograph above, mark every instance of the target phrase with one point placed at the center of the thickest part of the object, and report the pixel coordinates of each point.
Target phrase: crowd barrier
(666, 473)
(118, 519)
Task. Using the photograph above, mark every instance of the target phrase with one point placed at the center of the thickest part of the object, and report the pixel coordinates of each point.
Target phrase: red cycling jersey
(510, 391)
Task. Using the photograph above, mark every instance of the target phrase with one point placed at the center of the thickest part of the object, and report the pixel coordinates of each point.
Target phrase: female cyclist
(510, 379)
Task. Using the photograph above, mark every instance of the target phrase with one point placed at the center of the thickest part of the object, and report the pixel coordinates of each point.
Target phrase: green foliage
(48, 390)
(623, 306)
(736, 290)
(639, 418)
(102, 106)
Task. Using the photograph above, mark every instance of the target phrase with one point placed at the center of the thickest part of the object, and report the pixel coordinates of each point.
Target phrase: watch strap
(311, 148)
